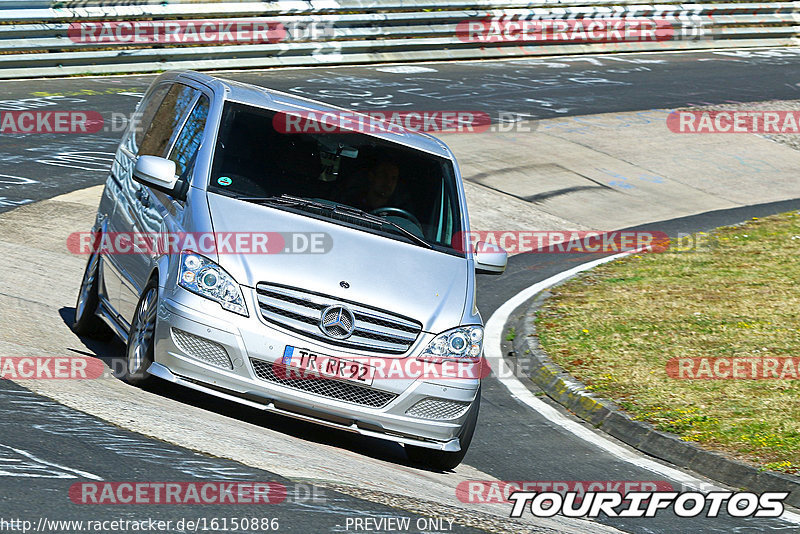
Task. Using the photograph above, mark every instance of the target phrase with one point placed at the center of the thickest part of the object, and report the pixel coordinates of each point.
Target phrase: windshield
(407, 188)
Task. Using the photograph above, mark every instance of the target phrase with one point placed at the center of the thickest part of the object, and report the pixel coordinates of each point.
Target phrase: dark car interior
(254, 159)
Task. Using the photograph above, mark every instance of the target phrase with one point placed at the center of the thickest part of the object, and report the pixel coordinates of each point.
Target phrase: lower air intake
(439, 409)
(326, 387)
(202, 349)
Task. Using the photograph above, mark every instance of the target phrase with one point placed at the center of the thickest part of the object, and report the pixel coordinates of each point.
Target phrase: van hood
(395, 276)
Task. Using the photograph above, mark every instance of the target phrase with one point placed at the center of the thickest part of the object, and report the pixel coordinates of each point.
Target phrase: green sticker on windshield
(224, 180)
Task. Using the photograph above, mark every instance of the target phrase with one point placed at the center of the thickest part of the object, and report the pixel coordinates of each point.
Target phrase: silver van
(320, 274)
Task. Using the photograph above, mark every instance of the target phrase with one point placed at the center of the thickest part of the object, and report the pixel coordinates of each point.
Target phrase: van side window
(188, 141)
(144, 116)
(167, 119)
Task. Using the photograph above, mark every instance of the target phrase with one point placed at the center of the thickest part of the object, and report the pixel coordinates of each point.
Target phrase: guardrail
(92, 37)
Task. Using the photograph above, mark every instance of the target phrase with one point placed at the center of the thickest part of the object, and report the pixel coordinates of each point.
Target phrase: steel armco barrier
(35, 37)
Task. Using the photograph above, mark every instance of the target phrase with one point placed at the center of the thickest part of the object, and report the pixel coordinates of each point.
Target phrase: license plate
(310, 364)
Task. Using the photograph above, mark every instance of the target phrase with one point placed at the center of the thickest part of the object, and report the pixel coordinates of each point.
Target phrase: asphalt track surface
(512, 442)
(36, 488)
(529, 88)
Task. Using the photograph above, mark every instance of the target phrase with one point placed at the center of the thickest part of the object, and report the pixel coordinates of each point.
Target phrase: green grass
(511, 334)
(737, 294)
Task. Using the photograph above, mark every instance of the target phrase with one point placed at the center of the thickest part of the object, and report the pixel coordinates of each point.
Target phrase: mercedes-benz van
(318, 273)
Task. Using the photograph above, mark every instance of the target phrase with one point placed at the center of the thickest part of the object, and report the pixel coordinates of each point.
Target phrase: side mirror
(490, 259)
(158, 173)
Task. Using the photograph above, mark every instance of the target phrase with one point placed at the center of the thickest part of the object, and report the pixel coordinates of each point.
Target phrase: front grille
(299, 311)
(202, 349)
(441, 409)
(326, 387)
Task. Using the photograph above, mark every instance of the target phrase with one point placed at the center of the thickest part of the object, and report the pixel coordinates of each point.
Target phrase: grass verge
(735, 295)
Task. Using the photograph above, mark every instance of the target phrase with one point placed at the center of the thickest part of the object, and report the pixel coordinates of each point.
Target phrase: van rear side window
(167, 120)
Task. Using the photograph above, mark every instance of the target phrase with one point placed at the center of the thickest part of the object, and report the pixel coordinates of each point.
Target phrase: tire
(445, 460)
(86, 322)
(140, 351)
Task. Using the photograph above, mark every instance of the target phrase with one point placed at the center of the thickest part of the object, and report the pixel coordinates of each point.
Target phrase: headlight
(463, 343)
(204, 277)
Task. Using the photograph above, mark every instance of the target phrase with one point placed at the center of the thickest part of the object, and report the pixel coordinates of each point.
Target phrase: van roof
(280, 101)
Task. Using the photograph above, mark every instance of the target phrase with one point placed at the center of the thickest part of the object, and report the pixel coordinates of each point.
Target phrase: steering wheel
(388, 210)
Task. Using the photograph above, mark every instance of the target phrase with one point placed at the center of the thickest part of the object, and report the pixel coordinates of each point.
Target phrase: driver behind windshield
(375, 191)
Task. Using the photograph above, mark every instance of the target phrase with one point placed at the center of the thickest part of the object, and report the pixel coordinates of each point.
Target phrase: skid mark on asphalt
(20, 463)
(83, 160)
(9, 181)
(58, 419)
(6, 202)
(16, 180)
(24, 104)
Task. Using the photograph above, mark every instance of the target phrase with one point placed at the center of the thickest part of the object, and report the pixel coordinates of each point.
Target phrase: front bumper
(247, 338)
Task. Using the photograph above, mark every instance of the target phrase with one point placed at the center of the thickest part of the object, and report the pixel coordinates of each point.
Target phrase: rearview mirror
(158, 173)
(489, 258)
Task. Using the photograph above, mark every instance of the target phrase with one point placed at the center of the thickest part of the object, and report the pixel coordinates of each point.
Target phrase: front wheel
(141, 339)
(445, 460)
(87, 323)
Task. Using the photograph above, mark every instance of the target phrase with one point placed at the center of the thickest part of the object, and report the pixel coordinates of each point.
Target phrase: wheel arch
(160, 271)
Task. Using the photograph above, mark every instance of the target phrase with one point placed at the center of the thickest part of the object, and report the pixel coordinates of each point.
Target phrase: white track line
(493, 336)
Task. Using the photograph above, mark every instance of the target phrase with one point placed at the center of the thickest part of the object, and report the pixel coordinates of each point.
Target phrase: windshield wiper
(285, 200)
(289, 200)
(367, 216)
